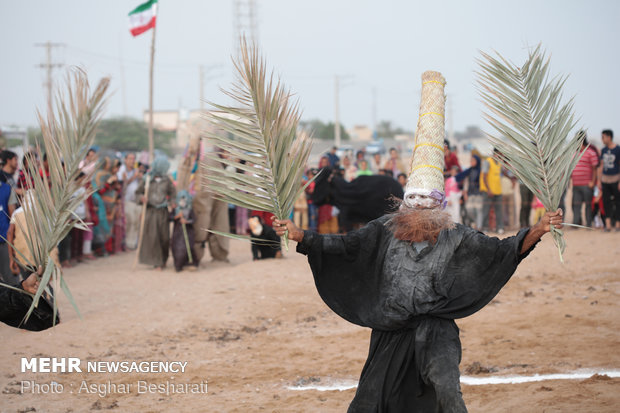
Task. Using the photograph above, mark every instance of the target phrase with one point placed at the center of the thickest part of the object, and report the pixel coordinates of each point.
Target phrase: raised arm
(541, 228)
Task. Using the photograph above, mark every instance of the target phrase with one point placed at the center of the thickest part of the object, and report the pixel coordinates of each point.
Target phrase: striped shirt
(582, 174)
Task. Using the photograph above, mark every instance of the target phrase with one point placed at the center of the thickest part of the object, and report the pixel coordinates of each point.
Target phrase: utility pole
(450, 120)
(245, 23)
(374, 112)
(337, 110)
(337, 86)
(151, 144)
(49, 66)
(123, 85)
(201, 75)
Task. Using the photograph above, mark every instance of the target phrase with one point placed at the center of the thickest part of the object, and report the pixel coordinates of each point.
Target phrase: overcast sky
(380, 44)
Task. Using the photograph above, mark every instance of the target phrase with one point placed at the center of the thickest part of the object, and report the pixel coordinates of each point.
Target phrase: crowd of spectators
(110, 212)
(482, 196)
(485, 195)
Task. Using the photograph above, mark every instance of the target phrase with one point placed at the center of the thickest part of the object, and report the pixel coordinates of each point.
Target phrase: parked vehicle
(375, 147)
(345, 150)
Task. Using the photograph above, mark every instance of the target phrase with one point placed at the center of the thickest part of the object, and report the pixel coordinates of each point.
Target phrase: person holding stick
(183, 234)
(155, 237)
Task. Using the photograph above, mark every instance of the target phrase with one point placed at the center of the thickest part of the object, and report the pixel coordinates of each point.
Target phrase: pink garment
(87, 168)
(536, 203)
(453, 198)
(451, 187)
(241, 221)
(88, 235)
(119, 228)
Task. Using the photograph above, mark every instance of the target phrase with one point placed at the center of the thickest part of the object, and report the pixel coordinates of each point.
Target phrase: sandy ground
(250, 329)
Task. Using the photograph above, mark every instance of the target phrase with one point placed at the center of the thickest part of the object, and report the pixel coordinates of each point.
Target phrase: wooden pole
(151, 150)
(151, 146)
(142, 219)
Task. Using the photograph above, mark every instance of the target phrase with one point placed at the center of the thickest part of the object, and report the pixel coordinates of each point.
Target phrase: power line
(168, 67)
(202, 71)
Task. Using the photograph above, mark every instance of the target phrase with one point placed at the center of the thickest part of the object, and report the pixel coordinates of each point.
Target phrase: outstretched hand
(281, 226)
(541, 228)
(551, 218)
(31, 284)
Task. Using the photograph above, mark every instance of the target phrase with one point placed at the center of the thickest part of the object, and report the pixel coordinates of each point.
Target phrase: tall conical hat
(427, 164)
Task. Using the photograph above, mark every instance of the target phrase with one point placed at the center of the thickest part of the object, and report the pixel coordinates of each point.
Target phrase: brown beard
(417, 225)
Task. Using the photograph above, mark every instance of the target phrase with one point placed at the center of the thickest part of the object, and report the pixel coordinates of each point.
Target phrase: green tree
(35, 138)
(127, 134)
(385, 129)
(322, 130)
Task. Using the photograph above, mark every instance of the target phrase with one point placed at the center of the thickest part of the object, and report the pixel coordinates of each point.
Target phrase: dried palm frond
(524, 107)
(267, 154)
(51, 201)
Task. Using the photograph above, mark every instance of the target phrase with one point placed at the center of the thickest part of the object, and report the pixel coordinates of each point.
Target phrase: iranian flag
(143, 17)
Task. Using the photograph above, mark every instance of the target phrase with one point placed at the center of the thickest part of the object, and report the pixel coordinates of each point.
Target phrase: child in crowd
(313, 211)
(77, 234)
(182, 244)
(267, 244)
(453, 195)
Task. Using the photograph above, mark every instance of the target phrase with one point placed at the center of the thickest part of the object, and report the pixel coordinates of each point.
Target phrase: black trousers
(611, 201)
(527, 197)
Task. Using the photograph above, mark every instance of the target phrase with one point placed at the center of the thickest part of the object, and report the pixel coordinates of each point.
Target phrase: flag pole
(151, 148)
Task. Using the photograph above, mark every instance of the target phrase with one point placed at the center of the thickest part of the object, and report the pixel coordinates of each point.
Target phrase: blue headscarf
(477, 162)
(188, 200)
(160, 166)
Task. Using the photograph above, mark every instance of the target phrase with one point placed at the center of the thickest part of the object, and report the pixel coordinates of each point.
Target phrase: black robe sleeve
(347, 269)
(480, 267)
(468, 269)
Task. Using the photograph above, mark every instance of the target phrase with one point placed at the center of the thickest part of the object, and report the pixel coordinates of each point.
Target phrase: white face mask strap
(419, 201)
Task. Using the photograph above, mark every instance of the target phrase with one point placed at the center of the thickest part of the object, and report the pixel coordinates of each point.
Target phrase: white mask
(419, 201)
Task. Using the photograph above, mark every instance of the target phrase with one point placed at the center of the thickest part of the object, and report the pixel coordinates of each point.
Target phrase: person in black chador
(265, 242)
(408, 276)
(14, 306)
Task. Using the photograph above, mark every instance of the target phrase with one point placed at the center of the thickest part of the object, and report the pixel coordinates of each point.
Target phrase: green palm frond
(267, 154)
(532, 125)
(49, 205)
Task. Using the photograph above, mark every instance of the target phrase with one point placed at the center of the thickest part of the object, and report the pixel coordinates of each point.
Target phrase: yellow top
(494, 178)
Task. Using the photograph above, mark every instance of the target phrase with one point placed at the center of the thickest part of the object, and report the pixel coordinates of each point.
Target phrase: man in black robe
(408, 276)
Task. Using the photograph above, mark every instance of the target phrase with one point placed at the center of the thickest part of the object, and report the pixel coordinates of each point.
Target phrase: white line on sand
(336, 385)
(577, 375)
(476, 381)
